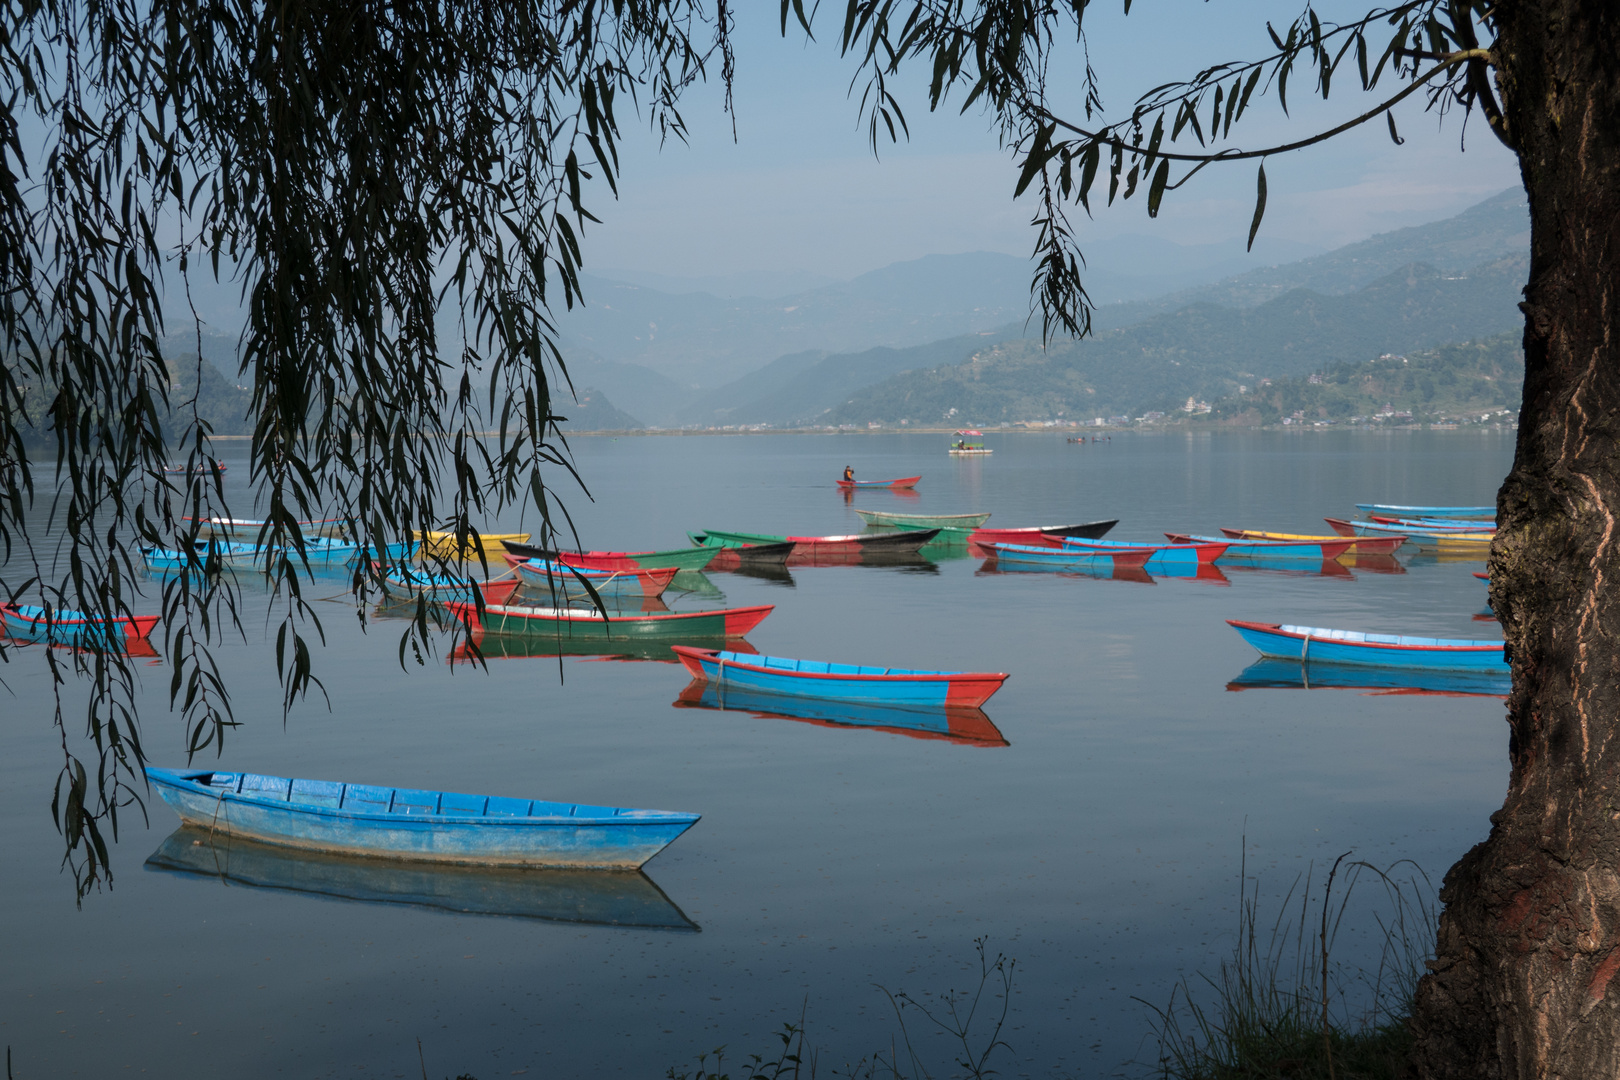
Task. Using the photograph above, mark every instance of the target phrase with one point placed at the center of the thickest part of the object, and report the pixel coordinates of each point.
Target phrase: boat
(1359, 545)
(443, 545)
(65, 626)
(215, 554)
(681, 558)
(1438, 525)
(1272, 673)
(924, 521)
(1271, 550)
(1069, 556)
(1428, 511)
(420, 826)
(965, 725)
(1037, 535)
(752, 555)
(547, 575)
(1200, 552)
(254, 527)
(586, 897)
(1377, 650)
(840, 682)
(808, 547)
(1444, 542)
(402, 581)
(969, 442)
(189, 470)
(587, 623)
(905, 483)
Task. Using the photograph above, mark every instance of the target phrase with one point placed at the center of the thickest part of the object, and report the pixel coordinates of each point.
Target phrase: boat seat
(500, 806)
(318, 792)
(225, 781)
(452, 803)
(266, 787)
(364, 797)
(408, 801)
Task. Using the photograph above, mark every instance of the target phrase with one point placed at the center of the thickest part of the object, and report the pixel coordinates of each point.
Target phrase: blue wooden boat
(1163, 554)
(234, 554)
(406, 582)
(1376, 650)
(840, 682)
(1273, 673)
(1427, 511)
(1437, 525)
(965, 725)
(1059, 557)
(1312, 551)
(65, 626)
(589, 897)
(420, 826)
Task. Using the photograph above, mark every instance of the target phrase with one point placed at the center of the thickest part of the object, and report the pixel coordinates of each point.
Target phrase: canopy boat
(1038, 535)
(924, 521)
(774, 556)
(590, 624)
(318, 551)
(482, 545)
(544, 574)
(1377, 650)
(1272, 550)
(908, 541)
(65, 626)
(1369, 509)
(253, 527)
(423, 826)
(1444, 542)
(680, 558)
(905, 483)
(588, 897)
(1273, 673)
(1359, 545)
(962, 724)
(841, 682)
(969, 442)
(1163, 554)
(1057, 558)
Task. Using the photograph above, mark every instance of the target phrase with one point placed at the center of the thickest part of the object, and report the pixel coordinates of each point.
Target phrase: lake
(1101, 846)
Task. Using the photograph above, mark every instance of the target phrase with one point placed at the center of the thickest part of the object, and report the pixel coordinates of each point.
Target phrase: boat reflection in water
(505, 647)
(1275, 673)
(966, 725)
(1101, 570)
(597, 897)
(1372, 564)
(1330, 568)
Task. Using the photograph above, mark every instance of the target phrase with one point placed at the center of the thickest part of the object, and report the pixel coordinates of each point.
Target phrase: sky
(800, 190)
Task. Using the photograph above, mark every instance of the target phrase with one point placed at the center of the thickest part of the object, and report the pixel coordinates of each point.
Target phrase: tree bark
(1524, 981)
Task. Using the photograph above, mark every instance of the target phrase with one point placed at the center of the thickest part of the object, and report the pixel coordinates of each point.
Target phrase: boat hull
(1359, 545)
(840, 682)
(1043, 535)
(444, 545)
(418, 826)
(1488, 512)
(924, 521)
(590, 625)
(27, 622)
(904, 483)
(1371, 650)
(679, 558)
(1163, 554)
(1311, 551)
(545, 577)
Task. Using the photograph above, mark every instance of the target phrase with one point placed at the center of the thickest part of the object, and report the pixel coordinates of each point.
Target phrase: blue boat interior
(817, 667)
(363, 798)
(1356, 637)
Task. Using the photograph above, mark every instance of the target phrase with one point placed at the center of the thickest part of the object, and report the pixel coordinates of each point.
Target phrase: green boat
(680, 558)
(963, 522)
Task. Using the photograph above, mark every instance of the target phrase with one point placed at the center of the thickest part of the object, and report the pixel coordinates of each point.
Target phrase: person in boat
(849, 475)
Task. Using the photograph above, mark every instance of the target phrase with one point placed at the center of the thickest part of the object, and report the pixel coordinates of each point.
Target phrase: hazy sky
(800, 190)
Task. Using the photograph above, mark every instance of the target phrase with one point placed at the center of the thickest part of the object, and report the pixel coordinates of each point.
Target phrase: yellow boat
(443, 545)
(1364, 545)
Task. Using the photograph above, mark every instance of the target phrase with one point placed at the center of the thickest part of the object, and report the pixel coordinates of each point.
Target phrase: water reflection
(1278, 674)
(951, 723)
(597, 897)
(515, 647)
(1329, 568)
(1102, 570)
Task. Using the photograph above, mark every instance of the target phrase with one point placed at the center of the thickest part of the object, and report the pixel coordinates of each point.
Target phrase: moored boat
(904, 483)
(444, 545)
(216, 554)
(1377, 650)
(680, 558)
(428, 826)
(1437, 525)
(752, 555)
(1359, 545)
(65, 626)
(965, 725)
(909, 541)
(924, 521)
(544, 574)
(589, 623)
(1313, 551)
(1428, 511)
(402, 581)
(843, 682)
(1200, 552)
(1038, 535)
(1447, 543)
(1070, 556)
(252, 527)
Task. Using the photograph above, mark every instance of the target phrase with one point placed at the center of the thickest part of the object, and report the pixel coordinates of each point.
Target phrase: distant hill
(594, 412)
(1203, 350)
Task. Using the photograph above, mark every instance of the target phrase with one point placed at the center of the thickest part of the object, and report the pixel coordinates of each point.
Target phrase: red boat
(905, 483)
(1042, 535)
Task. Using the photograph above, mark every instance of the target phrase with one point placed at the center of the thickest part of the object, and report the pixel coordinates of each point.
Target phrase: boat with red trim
(1042, 535)
(904, 483)
(1376, 650)
(841, 682)
(589, 623)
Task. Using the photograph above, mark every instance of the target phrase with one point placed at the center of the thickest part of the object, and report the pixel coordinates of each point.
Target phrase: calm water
(1100, 847)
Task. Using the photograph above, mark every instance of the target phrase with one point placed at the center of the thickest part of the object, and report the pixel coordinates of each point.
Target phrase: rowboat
(969, 442)
(1038, 535)
(1359, 545)
(421, 826)
(966, 725)
(810, 546)
(1068, 556)
(752, 555)
(1445, 543)
(590, 624)
(1428, 511)
(1271, 550)
(408, 582)
(840, 682)
(1438, 525)
(444, 545)
(65, 626)
(589, 897)
(905, 483)
(1200, 552)
(244, 527)
(680, 558)
(1272, 673)
(186, 470)
(548, 575)
(1377, 650)
(219, 554)
(924, 521)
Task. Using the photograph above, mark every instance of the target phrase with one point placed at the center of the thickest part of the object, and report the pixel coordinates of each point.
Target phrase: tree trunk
(1524, 984)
